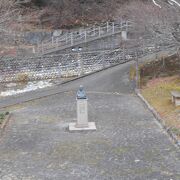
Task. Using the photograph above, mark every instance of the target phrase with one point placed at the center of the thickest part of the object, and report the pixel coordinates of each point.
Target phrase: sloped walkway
(128, 143)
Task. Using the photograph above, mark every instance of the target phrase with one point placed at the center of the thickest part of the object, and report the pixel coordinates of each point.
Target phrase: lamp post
(79, 60)
(137, 71)
(140, 40)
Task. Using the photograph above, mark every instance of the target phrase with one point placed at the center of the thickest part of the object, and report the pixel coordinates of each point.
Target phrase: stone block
(74, 127)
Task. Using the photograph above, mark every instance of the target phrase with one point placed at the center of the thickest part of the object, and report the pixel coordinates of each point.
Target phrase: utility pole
(156, 52)
(79, 60)
(137, 71)
(123, 53)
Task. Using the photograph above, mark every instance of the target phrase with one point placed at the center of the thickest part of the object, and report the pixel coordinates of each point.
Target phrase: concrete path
(128, 143)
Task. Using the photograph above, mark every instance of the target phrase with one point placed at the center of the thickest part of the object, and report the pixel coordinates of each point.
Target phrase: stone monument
(82, 113)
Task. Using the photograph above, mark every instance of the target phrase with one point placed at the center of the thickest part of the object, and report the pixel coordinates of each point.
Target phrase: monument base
(91, 127)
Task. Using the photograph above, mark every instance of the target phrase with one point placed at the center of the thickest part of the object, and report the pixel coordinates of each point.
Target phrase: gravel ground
(128, 144)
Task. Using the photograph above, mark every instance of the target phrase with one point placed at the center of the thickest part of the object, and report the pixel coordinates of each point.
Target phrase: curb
(158, 118)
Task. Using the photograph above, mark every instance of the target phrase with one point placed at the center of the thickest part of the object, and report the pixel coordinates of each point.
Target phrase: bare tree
(150, 19)
(8, 14)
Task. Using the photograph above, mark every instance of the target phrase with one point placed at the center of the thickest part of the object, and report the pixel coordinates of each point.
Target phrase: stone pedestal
(82, 123)
(82, 113)
(91, 127)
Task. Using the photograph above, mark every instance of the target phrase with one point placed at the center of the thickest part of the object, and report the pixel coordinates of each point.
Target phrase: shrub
(7, 113)
(22, 77)
(132, 73)
(40, 2)
(2, 116)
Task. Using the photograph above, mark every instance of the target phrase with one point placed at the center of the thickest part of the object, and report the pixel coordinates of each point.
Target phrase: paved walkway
(128, 143)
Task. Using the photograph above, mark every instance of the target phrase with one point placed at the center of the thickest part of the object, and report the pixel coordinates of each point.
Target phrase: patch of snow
(137, 160)
(11, 85)
(31, 86)
(174, 1)
(156, 3)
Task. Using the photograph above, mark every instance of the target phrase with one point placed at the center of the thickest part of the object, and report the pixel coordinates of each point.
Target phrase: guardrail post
(85, 35)
(56, 42)
(38, 49)
(99, 31)
(107, 26)
(123, 54)
(94, 30)
(52, 40)
(42, 48)
(66, 38)
(33, 50)
(126, 26)
(103, 61)
(71, 38)
(113, 27)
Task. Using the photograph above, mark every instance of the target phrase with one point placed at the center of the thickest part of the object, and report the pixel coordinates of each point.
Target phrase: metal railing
(82, 36)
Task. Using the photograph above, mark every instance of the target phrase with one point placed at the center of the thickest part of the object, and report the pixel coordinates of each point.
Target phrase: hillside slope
(159, 16)
(69, 13)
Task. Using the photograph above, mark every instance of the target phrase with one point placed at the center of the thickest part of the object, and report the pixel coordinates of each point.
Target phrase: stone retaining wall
(63, 65)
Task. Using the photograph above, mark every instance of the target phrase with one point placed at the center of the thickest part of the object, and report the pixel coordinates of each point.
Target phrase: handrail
(78, 37)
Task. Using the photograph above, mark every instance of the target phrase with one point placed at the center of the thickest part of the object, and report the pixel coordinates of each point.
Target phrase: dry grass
(157, 92)
(132, 73)
(22, 77)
